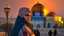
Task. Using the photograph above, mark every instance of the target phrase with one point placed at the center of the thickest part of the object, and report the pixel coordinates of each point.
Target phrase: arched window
(38, 26)
(49, 25)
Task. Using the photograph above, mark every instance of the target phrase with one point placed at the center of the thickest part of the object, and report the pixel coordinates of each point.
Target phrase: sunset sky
(56, 6)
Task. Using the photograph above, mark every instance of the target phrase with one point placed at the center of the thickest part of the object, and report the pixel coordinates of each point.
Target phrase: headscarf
(20, 21)
(23, 11)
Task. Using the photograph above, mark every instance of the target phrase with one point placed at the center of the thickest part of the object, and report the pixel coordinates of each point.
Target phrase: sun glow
(58, 18)
(45, 11)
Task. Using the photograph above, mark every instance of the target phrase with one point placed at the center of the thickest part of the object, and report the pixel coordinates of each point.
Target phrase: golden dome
(51, 14)
(37, 7)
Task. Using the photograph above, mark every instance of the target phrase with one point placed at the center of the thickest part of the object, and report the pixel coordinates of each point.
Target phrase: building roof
(51, 14)
(37, 7)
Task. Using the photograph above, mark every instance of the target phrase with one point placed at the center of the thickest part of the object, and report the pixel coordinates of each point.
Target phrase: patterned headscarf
(23, 11)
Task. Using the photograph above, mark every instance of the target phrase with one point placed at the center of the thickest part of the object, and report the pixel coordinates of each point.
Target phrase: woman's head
(25, 13)
(27, 16)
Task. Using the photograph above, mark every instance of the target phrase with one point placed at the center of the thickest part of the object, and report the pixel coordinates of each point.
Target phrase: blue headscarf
(20, 21)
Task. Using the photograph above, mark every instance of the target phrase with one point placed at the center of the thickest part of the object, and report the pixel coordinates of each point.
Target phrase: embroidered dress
(26, 31)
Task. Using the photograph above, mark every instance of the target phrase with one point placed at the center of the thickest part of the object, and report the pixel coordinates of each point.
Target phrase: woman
(50, 33)
(22, 23)
(36, 32)
(55, 32)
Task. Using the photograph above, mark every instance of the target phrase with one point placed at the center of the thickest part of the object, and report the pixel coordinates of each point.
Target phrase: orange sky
(56, 6)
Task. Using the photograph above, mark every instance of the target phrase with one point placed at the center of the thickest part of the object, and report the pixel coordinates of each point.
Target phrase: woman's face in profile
(27, 16)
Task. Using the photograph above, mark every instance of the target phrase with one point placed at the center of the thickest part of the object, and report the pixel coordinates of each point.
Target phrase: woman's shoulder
(22, 31)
